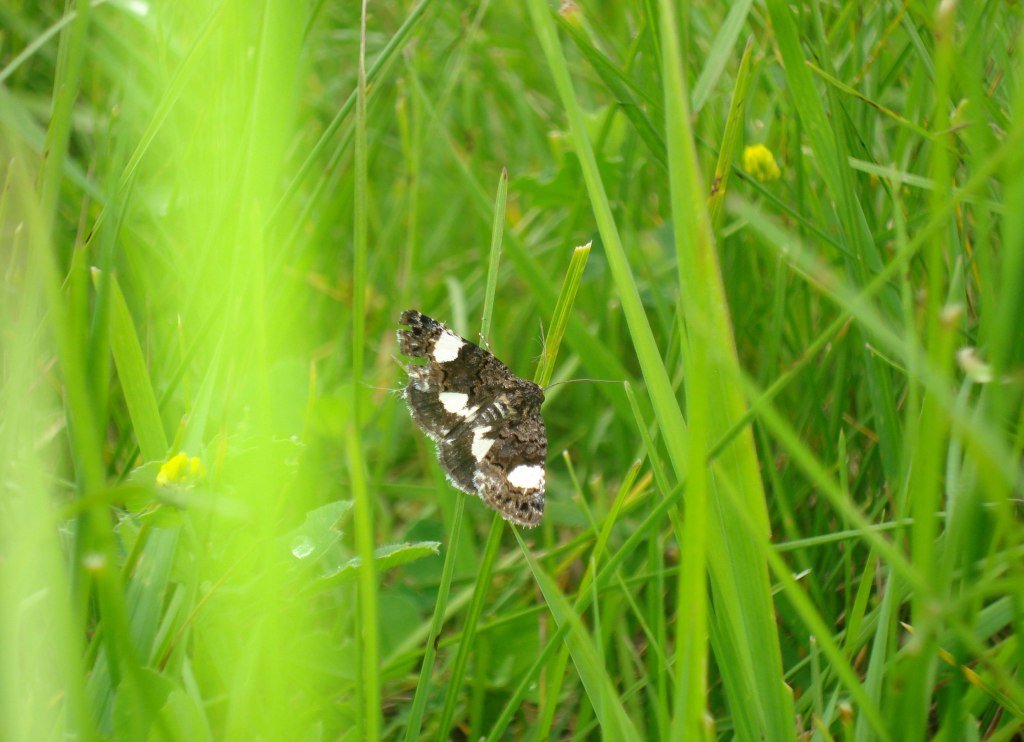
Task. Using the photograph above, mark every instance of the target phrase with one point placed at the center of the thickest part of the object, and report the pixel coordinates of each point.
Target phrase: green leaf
(384, 557)
(318, 533)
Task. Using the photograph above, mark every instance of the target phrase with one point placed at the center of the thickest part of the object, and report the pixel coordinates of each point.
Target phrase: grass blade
(368, 643)
(600, 688)
(560, 317)
(494, 256)
(131, 370)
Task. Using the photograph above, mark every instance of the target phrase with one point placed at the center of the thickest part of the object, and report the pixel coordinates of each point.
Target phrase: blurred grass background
(798, 516)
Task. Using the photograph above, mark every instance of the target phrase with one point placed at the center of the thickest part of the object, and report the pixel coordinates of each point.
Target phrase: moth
(491, 440)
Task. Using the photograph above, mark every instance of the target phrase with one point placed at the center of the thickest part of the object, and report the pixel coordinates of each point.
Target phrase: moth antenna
(381, 388)
(572, 381)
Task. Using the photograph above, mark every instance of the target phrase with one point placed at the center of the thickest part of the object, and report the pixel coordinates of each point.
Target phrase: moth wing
(486, 421)
(459, 456)
(451, 387)
(510, 477)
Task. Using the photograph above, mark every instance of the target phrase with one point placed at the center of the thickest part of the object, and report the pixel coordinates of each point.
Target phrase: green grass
(797, 514)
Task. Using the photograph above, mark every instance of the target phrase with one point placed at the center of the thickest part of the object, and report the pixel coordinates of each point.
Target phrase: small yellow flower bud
(170, 472)
(759, 162)
(196, 469)
(180, 469)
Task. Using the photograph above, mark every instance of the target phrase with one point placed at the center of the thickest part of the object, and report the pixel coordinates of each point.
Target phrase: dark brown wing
(510, 478)
(457, 381)
(486, 420)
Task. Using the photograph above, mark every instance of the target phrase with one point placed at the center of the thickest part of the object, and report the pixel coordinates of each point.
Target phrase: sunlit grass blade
(134, 376)
(68, 324)
(36, 666)
(167, 103)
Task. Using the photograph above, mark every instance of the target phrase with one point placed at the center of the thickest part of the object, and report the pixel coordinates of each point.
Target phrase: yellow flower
(759, 161)
(196, 468)
(180, 469)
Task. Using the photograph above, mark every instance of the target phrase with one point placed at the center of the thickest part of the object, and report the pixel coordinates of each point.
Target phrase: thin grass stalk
(494, 254)
(419, 700)
(412, 730)
(33, 47)
(65, 92)
(468, 638)
(545, 370)
(410, 126)
(368, 641)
